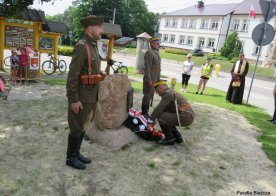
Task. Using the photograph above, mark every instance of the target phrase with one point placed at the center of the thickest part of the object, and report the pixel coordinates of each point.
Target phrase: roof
(144, 35)
(123, 41)
(112, 29)
(31, 15)
(207, 10)
(56, 27)
(245, 6)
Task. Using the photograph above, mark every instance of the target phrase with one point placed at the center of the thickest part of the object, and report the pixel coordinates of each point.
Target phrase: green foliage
(175, 51)
(232, 46)
(65, 50)
(198, 52)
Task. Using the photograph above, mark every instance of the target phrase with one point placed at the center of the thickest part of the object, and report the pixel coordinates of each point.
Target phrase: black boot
(72, 155)
(145, 110)
(177, 135)
(80, 156)
(169, 138)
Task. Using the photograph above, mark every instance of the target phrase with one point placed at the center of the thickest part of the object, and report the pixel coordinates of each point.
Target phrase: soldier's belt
(92, 79)
(184, 107)
(155, 69)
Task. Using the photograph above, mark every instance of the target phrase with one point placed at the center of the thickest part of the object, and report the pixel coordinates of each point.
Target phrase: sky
(159, 6)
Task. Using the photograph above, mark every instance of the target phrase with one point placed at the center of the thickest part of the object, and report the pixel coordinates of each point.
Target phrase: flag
(252, 12)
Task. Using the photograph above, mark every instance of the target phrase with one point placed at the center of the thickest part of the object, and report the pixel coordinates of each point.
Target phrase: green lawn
(254, 115)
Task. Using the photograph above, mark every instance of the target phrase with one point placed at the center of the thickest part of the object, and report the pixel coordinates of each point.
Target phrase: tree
(9, 8)
(232, 46)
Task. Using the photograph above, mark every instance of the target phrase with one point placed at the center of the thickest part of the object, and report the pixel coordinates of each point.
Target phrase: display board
(18, 36)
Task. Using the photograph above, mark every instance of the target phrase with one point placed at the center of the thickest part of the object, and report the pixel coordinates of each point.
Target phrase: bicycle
(50, 66)
(120, 68)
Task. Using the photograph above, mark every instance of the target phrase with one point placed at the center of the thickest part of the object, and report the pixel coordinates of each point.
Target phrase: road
(260, 96)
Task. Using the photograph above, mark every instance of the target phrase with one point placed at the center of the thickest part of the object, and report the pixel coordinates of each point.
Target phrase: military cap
(154, 39)
(92, 20)
(160, 82)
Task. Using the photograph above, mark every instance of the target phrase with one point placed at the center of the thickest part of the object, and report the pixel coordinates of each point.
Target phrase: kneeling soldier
(166, 114)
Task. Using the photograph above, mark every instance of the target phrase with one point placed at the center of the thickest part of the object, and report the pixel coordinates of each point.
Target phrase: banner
(34, 62)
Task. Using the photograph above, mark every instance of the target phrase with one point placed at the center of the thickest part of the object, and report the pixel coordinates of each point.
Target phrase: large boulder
(112, 102)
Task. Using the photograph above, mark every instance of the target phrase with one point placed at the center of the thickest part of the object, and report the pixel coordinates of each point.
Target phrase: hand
(76, 106)
(149, 84)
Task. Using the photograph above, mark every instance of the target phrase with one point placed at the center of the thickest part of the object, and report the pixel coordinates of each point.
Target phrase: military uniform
(152, 74)
(165, 113)
(78, 92)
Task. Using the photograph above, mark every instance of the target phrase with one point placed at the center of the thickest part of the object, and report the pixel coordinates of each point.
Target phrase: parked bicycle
(118, 67)
(50, 66)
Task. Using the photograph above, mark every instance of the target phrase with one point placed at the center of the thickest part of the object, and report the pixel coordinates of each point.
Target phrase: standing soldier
(173, 110)
(82, 88)
(152, 73)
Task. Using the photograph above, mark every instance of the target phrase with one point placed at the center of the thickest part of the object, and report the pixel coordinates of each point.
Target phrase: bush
(65, 50)
(198, 52)
(176, 51)
(233, 60)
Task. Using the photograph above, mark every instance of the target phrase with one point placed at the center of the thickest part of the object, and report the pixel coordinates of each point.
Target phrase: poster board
(103, 48)
(18, 36)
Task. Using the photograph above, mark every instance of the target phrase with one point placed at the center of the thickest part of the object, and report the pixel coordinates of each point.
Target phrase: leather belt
(156, 69)
(184, 107)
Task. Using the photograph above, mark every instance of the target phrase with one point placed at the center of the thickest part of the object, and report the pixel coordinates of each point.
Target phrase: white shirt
(187, 67)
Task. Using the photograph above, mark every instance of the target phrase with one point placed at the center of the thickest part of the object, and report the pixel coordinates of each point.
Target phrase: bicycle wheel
(48, 67)
(123, 70)
(62, 66)
(7, 61)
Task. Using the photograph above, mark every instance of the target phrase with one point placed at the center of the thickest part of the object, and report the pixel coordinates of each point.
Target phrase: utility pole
(114, 14)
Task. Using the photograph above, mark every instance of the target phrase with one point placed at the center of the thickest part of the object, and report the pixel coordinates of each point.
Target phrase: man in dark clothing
(82, 91)
(166, 114)
(236, 87)
(152, 73)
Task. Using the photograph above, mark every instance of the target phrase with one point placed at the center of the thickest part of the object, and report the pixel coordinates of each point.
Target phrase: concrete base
(113, 138)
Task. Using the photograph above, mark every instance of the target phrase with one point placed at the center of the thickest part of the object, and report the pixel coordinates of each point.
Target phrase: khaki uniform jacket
(152, 61)
(79, 66)
(167, 104)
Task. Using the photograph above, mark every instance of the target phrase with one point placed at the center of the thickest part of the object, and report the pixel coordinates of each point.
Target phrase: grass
(54, 82)
(254, 115)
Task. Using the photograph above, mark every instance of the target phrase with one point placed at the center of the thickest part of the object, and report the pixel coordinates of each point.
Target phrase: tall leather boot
(177, 135)
(145, 110)
(80, 156)
(72, 155)
(169, 138)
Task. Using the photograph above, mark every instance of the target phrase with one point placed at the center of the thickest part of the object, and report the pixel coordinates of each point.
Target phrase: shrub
(176, 51)
(65, 50)
(197, 52)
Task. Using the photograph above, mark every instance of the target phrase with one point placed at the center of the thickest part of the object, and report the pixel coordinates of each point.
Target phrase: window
(201, 41)
(184, 23)
(181, 39)
(167, 23)
(165, 38)
(189, 40)
(244, 25)
(172, 38)
(256, 50)
(236, 25)
(174, 23)
(214, 24)
(211, 43)
(192, 24)
(204, 24)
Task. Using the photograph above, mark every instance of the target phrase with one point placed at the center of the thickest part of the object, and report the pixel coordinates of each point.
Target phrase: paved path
(261, 93)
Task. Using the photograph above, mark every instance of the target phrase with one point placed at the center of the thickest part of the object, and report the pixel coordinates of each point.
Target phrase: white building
(208, 26)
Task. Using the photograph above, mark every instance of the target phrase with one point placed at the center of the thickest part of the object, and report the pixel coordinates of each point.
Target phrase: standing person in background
(152, 73)
(236, 87)
(14, 66)
(23, 62)
(273, 120)
(82, 88)
(187, 69)
(206, 71)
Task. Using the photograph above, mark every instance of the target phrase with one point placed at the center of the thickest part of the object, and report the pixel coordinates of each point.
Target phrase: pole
(261, 43)
(114, 14)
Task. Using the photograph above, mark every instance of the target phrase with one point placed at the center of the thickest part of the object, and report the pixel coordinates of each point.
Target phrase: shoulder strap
(89, 59)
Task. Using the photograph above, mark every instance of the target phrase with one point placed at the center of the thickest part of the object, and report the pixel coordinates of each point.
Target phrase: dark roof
(123, 41)
(112, 29)
(56, 27)
(245, 6)
(207, 10)
(31, 15)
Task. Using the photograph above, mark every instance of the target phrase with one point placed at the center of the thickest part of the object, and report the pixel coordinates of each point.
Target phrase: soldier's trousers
(170, 119)
(148, 94)
(77, 121)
